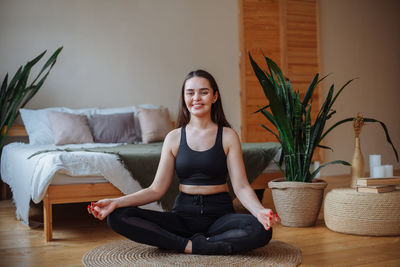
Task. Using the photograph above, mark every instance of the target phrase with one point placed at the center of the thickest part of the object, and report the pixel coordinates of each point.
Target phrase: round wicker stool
(350, 212)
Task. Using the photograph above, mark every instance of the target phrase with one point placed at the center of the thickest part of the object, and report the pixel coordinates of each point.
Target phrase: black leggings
(211, 215)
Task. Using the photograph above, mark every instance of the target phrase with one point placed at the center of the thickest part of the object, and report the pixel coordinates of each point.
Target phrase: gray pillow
(113, 128)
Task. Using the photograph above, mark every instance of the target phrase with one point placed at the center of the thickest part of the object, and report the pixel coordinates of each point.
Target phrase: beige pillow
(69, 128)
(155, 124)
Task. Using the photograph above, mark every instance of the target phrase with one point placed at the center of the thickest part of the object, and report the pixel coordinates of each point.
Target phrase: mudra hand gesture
(267, 218)
(102, 208)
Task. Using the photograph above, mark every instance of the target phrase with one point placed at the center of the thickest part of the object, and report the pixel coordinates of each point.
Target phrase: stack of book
(377, 185)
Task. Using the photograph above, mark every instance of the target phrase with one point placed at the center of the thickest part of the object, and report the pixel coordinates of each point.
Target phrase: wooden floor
(76, 233)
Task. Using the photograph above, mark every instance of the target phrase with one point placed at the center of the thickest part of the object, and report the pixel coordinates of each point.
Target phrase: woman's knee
(115, 219)
(258, 233)
(265, 236)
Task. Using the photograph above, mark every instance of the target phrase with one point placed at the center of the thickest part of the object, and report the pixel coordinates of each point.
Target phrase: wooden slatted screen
(287, 32)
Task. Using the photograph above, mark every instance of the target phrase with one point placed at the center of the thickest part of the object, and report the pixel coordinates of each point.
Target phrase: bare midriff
(203, 189)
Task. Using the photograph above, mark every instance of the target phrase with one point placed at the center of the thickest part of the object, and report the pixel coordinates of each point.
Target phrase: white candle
(374, 160)
(388, 170)
(378, 172)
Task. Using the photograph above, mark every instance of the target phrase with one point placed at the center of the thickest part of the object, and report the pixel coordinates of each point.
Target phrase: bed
(72, 173)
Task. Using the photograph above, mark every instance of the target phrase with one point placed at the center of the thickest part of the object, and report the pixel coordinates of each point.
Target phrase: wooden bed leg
(47, 218)
(3, 191)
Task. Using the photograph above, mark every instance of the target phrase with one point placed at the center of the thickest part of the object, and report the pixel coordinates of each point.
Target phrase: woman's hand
(267, 218)
(102, 208)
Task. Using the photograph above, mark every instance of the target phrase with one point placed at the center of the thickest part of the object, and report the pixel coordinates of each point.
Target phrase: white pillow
(38, 126)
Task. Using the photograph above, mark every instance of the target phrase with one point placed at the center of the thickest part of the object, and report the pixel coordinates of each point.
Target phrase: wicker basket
(297, 203)
(351, 212)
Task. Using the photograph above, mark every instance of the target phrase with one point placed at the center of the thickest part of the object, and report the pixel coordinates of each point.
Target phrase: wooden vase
(357, 164)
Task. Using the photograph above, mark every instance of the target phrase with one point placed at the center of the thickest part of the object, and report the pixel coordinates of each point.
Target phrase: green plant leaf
(33, 62)
(338, 93)
(15, 79)
(261, 76)
(307, 130)
(276, 106)
(280, 117)
(307, 137)
(386, 133)
(297, 127)
(269, 130)
(259, 110)
(320, 121)
(279, 81)
(17, 91)
(50, 62)
(310, 90)
(269, 117)
(314, 173)
(3, 92)
(325, 147)
(34, 89)
(279, 165)
(333, 112)
(334, 126)
(323, 78)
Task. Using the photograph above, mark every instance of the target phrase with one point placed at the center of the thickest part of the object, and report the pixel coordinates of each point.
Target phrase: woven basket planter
(297, 203)
(350, 212)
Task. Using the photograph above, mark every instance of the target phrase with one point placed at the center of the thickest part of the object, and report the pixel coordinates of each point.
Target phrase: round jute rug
(129, 253)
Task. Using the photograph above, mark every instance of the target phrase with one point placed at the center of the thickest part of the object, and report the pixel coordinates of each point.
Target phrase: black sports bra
(201, 167)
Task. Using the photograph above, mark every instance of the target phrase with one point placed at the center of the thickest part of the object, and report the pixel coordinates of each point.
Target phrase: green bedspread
(142, 161)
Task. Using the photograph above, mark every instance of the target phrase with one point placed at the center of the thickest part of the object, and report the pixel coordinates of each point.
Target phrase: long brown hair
(217, 112)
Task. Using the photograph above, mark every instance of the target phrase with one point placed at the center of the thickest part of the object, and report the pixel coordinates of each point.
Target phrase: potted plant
(17, 93)
(298, 196)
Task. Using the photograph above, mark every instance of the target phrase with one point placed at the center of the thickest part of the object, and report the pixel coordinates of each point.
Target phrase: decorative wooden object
(357, 164)
(287, 32)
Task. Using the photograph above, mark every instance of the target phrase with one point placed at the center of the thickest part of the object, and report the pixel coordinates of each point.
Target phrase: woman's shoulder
(174, 135)
(230, 135)
(229, 131)
(172, 141)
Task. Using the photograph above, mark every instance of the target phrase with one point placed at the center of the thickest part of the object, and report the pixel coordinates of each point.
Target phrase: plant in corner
(299, 136)
(17, 93)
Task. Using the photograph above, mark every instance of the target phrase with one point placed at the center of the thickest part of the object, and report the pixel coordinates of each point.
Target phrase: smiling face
(199, 96)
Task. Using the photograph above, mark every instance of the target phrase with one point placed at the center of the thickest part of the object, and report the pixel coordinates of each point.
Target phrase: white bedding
(62, 179)
(29, 178)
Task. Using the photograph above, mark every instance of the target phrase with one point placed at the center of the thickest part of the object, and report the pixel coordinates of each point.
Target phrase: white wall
(361, 38)
(123, 52)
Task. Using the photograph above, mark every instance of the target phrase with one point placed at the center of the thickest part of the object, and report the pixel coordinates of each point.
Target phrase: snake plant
(17, 93)
(298, 135)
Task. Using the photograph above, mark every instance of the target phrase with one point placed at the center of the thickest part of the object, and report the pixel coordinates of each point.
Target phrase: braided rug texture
(129, 253)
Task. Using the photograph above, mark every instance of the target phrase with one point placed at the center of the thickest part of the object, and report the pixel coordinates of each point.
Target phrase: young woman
(202, 151)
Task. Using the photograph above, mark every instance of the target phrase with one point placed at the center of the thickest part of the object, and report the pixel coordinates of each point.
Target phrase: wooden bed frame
(62, 194)
(75, 193)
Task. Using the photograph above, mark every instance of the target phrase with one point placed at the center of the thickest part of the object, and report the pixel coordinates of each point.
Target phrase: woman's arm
(239, 180)
(162, 180)
(154, 192)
